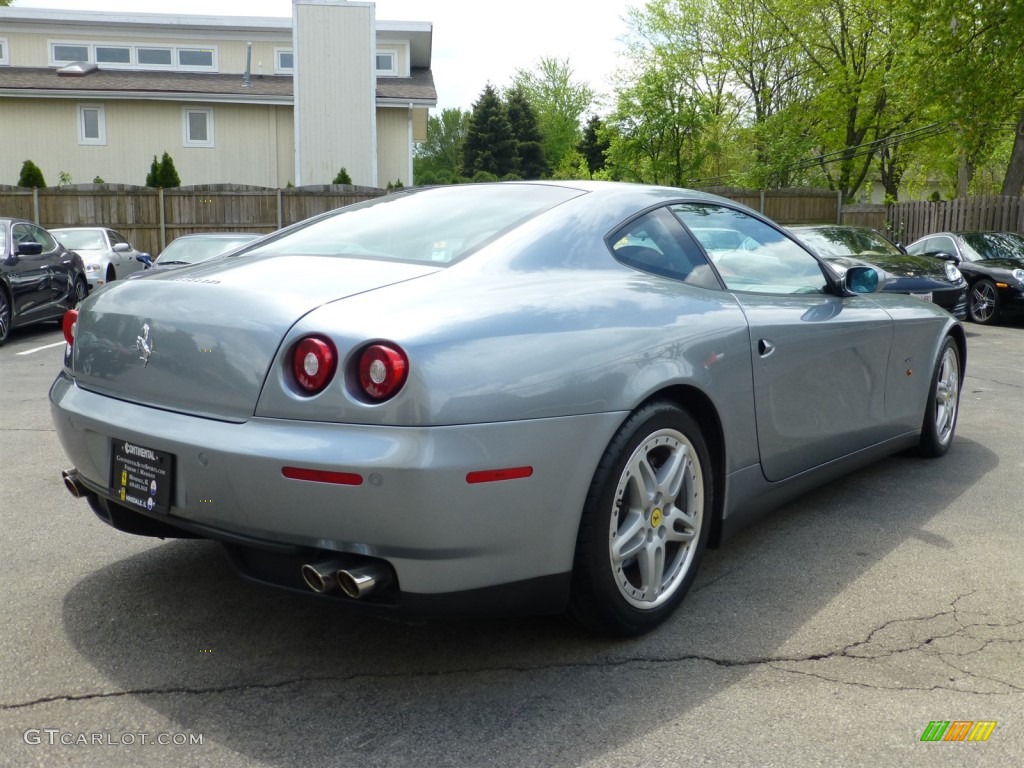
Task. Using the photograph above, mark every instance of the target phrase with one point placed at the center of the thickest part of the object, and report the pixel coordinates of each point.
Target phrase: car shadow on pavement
(279, 679)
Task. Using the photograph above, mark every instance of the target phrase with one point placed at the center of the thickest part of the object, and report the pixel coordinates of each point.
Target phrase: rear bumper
(413, 509)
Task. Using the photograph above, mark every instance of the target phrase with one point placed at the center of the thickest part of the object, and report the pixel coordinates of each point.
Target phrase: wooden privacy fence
(798, 205)
(151, 218)
(910, 221)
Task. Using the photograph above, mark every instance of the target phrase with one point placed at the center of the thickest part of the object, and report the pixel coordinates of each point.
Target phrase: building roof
(192, 86)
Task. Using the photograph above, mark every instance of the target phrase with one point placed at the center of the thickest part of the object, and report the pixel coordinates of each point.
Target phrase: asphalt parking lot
(832, 633)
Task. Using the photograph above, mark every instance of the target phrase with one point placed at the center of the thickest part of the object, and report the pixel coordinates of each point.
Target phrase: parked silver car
(106, 252)
(513, 398)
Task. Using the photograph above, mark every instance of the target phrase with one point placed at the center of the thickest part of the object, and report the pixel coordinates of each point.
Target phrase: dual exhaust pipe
(356, 581)
(74, 484)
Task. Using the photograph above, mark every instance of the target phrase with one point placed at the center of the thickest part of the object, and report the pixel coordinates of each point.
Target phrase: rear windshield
(438, 225)
(995, 245)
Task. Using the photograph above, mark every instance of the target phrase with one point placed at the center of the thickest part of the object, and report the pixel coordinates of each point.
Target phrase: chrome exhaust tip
(359, 582)
(73, 484)
(320, 577)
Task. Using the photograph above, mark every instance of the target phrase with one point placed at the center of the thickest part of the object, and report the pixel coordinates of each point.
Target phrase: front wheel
(983, 303)
(6, 316)
(645, 523)
(943, 404)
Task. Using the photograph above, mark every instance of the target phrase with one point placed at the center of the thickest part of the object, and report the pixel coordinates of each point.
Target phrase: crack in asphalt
(874, 647)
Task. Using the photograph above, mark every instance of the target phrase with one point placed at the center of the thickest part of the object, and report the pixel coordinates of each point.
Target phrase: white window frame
(55, 62)
(5, 55)
(101, 125)
(393, 70)
(186, 137)
(130, 64)
(133, 48)
(212, 50)
(168, 65)
(278, 68)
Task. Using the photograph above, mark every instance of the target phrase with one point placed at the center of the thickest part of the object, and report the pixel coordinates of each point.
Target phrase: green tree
(342, 177)
(966, 62)
(162, 173)
(593, 145)
(489, 145)
(438, 160)
(559, 101)
(532, 164)
(31, 175)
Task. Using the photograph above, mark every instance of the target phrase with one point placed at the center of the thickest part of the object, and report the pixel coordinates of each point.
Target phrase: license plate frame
(141, 477)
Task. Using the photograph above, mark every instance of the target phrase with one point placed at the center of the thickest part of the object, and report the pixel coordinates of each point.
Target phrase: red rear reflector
(69, 325)
(493, 475)
(320, 476)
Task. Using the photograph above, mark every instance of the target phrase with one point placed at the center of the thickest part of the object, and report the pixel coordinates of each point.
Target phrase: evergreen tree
(31, 176)
(342, 177)
(522, 118)
(153, 177)
(593, 145)
(490, 145)
(168, 173)
(162, 173)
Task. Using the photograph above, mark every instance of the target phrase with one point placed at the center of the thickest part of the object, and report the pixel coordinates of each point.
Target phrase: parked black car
(39, 278)
(992, 262)
(846, 246)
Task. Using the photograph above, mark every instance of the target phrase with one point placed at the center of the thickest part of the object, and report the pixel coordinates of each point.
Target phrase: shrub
(98, 180)
(483, 176)
(31, 176)
(162, 173)
(342, 177)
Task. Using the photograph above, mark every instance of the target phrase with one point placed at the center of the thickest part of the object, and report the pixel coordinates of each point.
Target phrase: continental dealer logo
(958, 730)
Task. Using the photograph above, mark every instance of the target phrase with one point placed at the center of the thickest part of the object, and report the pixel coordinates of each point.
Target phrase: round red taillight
(313, 364)
(383, 369)
(70, 324)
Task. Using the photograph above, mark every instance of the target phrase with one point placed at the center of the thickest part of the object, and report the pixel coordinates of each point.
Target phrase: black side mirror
(29, 249)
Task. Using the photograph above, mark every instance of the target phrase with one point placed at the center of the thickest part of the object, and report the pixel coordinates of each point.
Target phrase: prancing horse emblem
(144, 344)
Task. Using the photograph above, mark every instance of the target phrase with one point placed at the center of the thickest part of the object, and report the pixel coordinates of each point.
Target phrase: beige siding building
(261, 101)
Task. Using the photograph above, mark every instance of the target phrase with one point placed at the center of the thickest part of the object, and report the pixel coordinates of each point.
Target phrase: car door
(30, 274)
(124, 254)
(819, 360)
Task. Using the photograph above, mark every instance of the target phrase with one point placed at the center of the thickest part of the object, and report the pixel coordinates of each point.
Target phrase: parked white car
(107, 253)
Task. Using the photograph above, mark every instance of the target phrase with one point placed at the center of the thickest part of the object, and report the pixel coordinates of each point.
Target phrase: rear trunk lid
(200, 340)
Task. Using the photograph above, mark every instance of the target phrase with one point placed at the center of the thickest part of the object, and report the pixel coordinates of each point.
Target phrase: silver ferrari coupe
(510, 398)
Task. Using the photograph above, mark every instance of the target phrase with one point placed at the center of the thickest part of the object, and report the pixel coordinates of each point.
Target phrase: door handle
(765, 347)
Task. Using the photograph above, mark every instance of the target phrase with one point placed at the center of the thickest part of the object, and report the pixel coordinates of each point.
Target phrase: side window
(656, 243)
(43, 237)
(115, 238)
(941, 244)
(749, 254)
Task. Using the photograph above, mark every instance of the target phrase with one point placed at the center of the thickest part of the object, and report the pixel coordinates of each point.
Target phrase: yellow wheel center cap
(656, 517)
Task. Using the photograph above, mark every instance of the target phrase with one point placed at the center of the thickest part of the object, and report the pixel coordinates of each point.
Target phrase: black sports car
(39, 278)
(992, 263)
(846, 246)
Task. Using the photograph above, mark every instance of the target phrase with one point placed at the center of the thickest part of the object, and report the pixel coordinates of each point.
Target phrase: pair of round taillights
(380, 369)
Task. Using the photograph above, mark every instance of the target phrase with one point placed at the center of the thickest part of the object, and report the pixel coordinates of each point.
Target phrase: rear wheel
(943, 403)
(983, 304)
(5, 316)
(645, 523)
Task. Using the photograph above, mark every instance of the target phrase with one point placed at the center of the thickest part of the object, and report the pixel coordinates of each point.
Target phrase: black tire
(943, 406)
(79, 292)
(983, 303)
(640, 542)
(6, 316)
